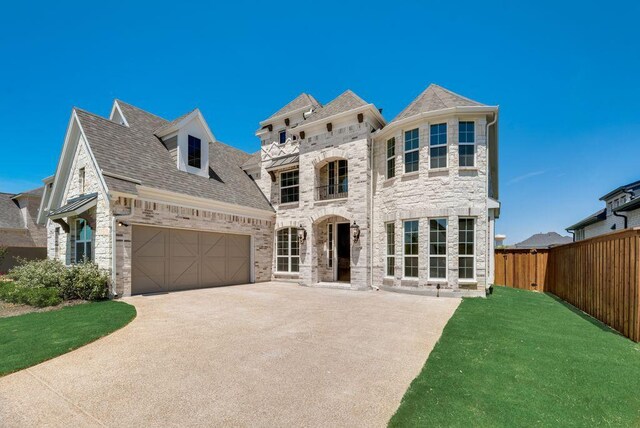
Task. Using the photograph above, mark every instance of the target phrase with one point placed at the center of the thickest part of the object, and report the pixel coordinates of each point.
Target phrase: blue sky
(565, 75)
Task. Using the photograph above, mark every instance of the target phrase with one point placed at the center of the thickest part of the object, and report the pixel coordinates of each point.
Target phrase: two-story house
(621, 211)
(335, 197)
(406, 205)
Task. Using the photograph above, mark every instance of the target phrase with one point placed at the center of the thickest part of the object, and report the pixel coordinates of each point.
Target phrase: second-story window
(283, 137)
(81, 180)
(466, 143)
(289, 187)
(194, 152)
(438, 145)
(411, 150)
(391, 158)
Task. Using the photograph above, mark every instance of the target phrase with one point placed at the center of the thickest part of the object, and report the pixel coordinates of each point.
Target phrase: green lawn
(26, 340)
(521, 358)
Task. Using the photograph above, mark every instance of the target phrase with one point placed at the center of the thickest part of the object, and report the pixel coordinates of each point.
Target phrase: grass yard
(522, 358)
(26, 340)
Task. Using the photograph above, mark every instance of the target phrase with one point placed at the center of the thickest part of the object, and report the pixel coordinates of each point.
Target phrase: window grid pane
(438, 248)
(466, 248)
(466, 143)
(288, 250)
(411, 248)
(391, 158)
(438, 145)
(194, 151)
(289, 189)
(411, 150)
(391, 248)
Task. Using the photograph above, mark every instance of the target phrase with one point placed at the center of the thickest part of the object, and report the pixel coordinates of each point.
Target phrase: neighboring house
(335, 197)
(405, 205)
(621, 211)
(544, 240)
(19, 231)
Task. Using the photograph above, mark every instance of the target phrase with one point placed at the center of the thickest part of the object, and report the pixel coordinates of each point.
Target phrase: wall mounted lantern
(355, 229)
(302, 234)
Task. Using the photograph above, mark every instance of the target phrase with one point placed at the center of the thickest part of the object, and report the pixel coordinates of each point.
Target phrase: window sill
(436, 281)
(289, 205)
(389, 181)
(410, 175)
(290, 274)
(438, 171)
(467, 281)
(324, 201)
(468, 168)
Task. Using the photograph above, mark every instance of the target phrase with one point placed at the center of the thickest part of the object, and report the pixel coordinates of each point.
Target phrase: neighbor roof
(343, 102)
(593, 218)
(434, 98)
(302, 100)
(10, 215)
(544, 240)
(117, 149)
(631, 187)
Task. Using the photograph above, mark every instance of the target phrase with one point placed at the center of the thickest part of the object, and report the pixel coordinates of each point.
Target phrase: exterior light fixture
(302, 234)
(122, 223)
(355, 229)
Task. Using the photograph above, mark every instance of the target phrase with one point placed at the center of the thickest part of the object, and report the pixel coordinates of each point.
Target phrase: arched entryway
(333, 249)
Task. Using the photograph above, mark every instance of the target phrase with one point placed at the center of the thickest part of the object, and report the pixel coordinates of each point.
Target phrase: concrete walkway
(266, 354)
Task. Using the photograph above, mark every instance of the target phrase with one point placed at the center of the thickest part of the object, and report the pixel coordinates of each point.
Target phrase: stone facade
(444, 193)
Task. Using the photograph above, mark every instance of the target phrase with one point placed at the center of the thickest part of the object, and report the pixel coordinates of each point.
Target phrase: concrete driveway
(266, 354)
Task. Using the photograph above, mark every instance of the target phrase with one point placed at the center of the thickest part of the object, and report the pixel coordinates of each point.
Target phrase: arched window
(288, 250)
(83, 241)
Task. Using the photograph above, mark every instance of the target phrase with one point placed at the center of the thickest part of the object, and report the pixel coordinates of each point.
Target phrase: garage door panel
(176, 259)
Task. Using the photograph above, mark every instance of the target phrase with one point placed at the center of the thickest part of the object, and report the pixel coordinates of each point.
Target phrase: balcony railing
(333, 191)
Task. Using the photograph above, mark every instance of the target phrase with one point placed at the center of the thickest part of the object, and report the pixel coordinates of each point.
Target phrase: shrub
(39, 297)
(3, 253)
(86, 281)
(40, 274)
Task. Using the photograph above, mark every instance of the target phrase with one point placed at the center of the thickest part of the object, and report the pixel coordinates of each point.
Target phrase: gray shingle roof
(631, 187)
(172, 123)
(434, 98)
(10, 215)
(253, 161)
(135, 152)
(544, 240)
(302, 100)
(344, 102)
(593, 218)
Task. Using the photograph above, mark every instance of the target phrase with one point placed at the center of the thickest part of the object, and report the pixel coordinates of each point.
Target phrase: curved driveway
(268, 354)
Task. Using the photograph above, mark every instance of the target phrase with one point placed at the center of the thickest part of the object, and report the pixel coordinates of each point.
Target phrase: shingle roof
(10, 215)
(434, 98)
(302, 100)
(593, 218)
(544, 240)
(344, 102)
(172, 123)
(253, 161)
(33, 192)
(633, 187)
(118, 149)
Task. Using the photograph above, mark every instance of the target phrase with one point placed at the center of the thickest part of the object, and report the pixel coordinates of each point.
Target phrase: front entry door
(344, 252)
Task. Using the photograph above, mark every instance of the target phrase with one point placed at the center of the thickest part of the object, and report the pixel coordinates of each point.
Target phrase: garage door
(173, 259)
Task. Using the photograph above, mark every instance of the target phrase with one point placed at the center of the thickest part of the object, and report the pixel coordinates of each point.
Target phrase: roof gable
(544, 240)
(434, 98)
(301, 101)
(346, 101)
(10, 215)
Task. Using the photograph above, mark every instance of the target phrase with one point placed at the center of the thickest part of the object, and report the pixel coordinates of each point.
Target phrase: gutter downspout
(486, 134)
(371, 223)
(626, 219)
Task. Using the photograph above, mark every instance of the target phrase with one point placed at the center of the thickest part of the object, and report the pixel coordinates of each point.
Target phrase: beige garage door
(173, 259)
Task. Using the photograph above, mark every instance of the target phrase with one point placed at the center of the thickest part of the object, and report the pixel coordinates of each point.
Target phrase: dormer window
(194, 152)
(283, 137)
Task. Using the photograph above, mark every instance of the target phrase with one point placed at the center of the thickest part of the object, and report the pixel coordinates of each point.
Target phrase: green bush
(39, 297)
(86, 281)
(40, 274)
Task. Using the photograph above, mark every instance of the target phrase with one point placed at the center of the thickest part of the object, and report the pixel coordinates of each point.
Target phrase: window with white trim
(288, 250)
(194, 152)
(466, 143)
(391, 158)
(579, 234)
(83, 237)
(438, 145)
(289, 186)
(438, 248)
(411, 150)
(466, 251)
(390, 229)
(411, 235)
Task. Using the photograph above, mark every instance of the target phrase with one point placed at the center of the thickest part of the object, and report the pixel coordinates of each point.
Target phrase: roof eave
(285, 115)
(435, 113)
(356, 110)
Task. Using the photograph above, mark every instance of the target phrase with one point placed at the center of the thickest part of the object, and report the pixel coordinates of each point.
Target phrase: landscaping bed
(521, 358)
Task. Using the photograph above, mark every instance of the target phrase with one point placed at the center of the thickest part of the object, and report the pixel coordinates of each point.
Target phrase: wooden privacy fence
(521, 268)
(600, 276)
